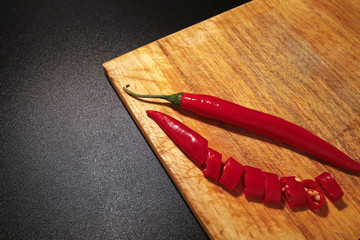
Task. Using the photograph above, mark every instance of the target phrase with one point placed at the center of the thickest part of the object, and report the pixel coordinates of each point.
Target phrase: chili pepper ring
(293, 192)
(315, 197)
(254, 182)
(272, 192)
(330, 186)
(212, 165)
(231, 173)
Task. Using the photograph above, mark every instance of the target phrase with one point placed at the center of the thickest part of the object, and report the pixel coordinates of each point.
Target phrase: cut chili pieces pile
(256, 183)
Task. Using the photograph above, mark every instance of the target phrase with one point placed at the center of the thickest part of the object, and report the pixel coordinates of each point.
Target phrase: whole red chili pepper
(261, 123)
(330, 186)
(192, 143)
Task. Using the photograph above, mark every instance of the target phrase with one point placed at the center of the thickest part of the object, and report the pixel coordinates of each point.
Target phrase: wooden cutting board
(296, 59)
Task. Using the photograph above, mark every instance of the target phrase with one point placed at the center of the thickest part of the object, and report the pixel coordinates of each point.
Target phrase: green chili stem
(173, 98)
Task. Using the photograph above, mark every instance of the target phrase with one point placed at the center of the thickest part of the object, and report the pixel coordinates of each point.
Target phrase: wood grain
(296, 59)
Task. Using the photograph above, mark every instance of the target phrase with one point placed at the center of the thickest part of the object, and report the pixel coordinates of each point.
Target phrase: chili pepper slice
(192, 143)
(254, 184)
(272, 192)
(212, 164)
(230, 173)
(315, 197)
(330, 186)
(293, 192)
(261, 123)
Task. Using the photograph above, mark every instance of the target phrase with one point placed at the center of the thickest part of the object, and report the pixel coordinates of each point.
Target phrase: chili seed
(284, 188)
(311, 193)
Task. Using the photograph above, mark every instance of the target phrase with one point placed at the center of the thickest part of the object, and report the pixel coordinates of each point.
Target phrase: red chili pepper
(231, 173)
(192, 143)
(330, 186)
(293, 192)
(272, 188)
(261, 123)
(212, 164)
(315, 197)
(254, 184)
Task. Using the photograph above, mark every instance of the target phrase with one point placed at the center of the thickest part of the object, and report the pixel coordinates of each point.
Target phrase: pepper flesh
(212, 164)
(272, 193)
(261, 123)
(254, 184)
(293, 192)
(231, 173)
(310, 187)
(192, 143)
(330, 186)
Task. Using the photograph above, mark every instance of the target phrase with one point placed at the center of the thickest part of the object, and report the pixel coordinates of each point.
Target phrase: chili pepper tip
(192, 143)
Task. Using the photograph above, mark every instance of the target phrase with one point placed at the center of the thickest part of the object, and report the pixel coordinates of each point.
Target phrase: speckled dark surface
(73, 164)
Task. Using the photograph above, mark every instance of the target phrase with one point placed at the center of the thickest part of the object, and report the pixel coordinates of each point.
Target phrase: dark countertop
(73, 164)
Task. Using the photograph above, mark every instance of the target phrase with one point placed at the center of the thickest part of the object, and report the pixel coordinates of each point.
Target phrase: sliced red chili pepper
(254, 184)
(330, 186)
(293, 192)
(272, 188)
(212, 164)
(261, 123)
(192, 143)
(315, 197)
(231, 173)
